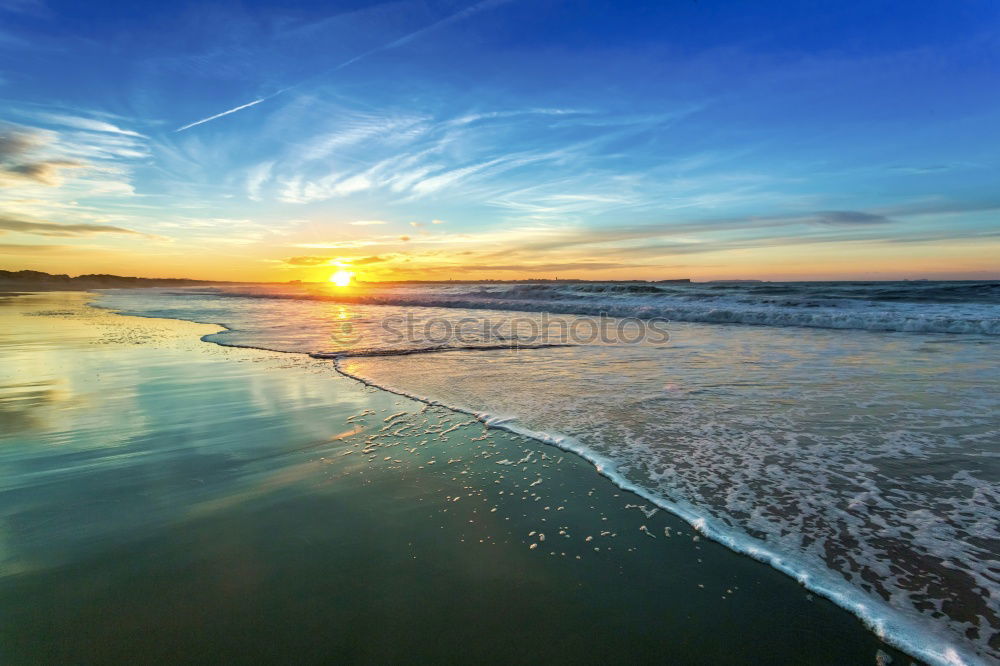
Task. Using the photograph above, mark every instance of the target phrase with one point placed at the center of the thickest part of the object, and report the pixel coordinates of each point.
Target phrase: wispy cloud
(45, 172)
(313, 260)
(31, 249)
(308, 260)
(549, 267)
(479, 156)
(406, 39)
(258, 175)
(10, 224)
(17, 162)
(373, 259)
(83, 123)
(396, 43)
(14, 142)
(73, 175)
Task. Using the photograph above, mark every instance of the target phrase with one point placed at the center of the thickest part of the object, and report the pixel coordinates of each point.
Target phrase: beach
(166, 498)
(461, 331)
(844, 433)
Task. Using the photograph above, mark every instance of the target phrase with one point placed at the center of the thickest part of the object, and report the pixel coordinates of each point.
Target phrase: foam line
(885, 622)
(910, 634)
(804, 310)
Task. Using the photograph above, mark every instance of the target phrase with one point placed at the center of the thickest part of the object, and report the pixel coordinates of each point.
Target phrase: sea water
(845, 433)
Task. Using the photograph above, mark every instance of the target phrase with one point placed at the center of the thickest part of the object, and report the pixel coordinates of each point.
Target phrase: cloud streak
(44, 173)
(88, 124)
(406, 39)
(226, 113)
(11, 224)
(16, 163)
(307, 261)
(18, 249)
(396, 43)
(14, 143)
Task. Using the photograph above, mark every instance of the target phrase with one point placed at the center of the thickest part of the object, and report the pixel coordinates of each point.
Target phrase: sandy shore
(169, 499)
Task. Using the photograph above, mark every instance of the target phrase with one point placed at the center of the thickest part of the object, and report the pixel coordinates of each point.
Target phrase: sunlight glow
(342, 278)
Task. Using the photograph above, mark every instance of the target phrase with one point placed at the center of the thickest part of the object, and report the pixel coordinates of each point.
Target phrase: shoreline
(887, 623)
(482, 469)
(844, 596)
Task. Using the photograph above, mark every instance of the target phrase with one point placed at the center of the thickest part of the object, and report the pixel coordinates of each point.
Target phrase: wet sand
(167, 499)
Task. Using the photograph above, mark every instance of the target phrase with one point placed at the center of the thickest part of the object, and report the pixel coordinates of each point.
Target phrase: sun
(342, 278)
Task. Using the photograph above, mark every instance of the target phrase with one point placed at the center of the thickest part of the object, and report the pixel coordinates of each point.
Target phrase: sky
(501, 139)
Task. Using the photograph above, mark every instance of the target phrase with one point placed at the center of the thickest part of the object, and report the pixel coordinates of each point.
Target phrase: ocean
(846, 433)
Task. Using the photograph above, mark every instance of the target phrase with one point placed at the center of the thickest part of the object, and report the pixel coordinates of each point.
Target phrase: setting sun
(341, 278)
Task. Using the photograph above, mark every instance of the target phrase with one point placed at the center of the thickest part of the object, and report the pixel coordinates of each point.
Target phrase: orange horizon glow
(955, 260)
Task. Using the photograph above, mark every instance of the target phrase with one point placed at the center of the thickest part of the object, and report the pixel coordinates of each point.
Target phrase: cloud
(374, 259)
(311, 260)
(353, 184)
(404, 238)
(548, 268)
(449, 178)
(256, 178)
(848, 217)
(46, 173)
(42, 157)
(364, 223)
(87, 124)
(15, 248)
(416, 225)
(308, 261)
(493, 115)
(409, 153)
(671, 229)
(337, 245)
(437, 221)
(396, 43)
(14, 143)
(405, 39)
(928, 168)
(8, 224)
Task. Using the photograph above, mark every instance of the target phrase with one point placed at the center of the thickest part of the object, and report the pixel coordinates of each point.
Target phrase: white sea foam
(958, 308)
(871, 480)
(794, 305)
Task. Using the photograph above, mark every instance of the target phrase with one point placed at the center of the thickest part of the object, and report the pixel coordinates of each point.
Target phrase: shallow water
(864, 463)
(960, 308)
(867, 467)
(163, 499)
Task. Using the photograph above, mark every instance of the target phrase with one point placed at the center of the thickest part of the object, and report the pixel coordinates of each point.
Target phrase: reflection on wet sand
(176, 500)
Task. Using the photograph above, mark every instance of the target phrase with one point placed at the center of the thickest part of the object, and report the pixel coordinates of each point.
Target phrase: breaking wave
(912, 307)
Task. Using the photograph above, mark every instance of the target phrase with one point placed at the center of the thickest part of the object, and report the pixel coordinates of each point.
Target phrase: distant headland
(39, 281)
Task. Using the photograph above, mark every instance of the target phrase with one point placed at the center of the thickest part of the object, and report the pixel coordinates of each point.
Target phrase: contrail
(457, 16)
(224, 113)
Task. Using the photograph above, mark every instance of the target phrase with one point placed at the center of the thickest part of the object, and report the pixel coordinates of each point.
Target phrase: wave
(367, 353)
(916, 292)
(935, 308)
(890, 625)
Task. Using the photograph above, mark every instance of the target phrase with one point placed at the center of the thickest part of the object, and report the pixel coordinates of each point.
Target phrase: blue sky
(501, 139)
